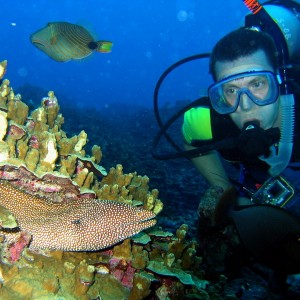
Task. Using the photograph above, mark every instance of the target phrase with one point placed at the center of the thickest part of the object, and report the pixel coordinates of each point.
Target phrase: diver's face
(247, 110)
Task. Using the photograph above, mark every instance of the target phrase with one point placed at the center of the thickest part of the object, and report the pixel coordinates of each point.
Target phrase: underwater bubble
(191, 15)
(148, 54)
(182, 16)
(22, 72)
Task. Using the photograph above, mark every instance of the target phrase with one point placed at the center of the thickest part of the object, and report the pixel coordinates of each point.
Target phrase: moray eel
(80, 225)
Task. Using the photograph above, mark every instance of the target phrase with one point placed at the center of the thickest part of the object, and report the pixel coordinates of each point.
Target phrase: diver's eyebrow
(257, 78)
(237, 80)
(233, 83)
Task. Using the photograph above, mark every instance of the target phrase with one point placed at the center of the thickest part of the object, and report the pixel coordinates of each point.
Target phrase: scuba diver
(252, 108)
(245, 102)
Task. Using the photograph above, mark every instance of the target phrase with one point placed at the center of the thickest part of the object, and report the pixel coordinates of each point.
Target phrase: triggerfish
(271, 234)
(64, 41)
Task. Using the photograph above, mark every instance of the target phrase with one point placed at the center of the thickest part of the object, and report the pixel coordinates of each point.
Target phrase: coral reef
(46, 180)
(39, 159)
(178, 183)
(116, 273)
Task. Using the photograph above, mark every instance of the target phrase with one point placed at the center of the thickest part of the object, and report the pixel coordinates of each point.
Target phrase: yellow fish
(64, 41)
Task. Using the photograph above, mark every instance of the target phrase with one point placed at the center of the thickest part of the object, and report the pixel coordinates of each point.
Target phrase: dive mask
(262, 87)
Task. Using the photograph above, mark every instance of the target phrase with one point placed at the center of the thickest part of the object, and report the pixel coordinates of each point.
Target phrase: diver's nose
(245, 102)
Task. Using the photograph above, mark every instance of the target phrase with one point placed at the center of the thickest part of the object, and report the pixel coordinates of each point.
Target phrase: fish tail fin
(104, 46)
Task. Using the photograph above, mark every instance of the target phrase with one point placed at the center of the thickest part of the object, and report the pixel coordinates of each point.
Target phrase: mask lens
(260, 86)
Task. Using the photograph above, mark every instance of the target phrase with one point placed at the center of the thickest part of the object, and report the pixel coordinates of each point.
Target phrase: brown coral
(48, 164)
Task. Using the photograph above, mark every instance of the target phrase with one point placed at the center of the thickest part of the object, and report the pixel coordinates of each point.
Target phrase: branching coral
(40, 164)
(39, 158)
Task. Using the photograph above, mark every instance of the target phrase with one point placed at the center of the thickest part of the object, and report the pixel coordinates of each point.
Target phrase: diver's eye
(230, 91)
(259, 83)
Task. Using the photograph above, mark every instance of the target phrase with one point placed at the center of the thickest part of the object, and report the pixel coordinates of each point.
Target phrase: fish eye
(92, 45)
(76, 222)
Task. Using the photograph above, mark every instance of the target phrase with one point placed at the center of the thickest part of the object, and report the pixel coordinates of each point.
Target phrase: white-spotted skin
(81, 225)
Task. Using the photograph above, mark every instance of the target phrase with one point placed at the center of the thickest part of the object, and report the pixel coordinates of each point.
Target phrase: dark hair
(240, 43)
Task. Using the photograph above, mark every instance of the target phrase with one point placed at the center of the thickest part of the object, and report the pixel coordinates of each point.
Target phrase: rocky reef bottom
(162, 262)
(130, 270)
(180, 189)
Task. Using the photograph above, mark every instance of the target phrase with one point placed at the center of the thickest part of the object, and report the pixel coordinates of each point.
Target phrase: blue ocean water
(110, 95)
(148, 37)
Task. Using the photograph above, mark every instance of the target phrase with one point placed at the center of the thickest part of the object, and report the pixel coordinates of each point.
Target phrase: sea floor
(126, 136)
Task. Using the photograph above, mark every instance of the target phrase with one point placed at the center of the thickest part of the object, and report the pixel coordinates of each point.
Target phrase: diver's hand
(208, 203)
(216, 203)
